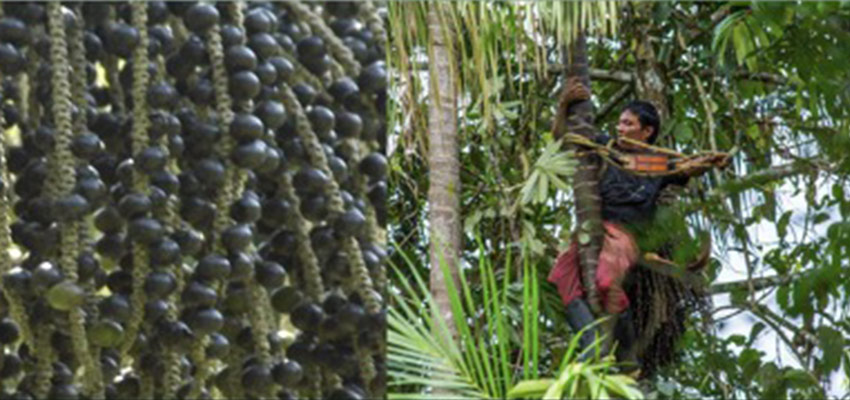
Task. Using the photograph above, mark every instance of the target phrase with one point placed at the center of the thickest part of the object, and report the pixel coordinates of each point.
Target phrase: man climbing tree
(634, 230)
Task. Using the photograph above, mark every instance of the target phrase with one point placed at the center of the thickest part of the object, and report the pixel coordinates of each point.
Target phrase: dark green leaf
(740, 340)
(831, 342)
(738, 296)
(749, 361)
(782, 225)
(820, 218)
(754, 332)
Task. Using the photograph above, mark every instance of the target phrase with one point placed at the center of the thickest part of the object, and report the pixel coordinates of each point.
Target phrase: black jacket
(629, 198)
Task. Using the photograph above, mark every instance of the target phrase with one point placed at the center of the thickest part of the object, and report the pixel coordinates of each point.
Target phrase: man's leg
(626, 336)
(579, 317)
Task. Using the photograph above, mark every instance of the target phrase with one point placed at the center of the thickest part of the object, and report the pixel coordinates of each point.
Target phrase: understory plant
(495, 353)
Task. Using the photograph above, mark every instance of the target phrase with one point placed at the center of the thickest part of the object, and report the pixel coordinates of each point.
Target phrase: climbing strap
(656, 164)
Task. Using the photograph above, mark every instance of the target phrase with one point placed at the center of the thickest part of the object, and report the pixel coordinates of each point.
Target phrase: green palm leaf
(553, 166)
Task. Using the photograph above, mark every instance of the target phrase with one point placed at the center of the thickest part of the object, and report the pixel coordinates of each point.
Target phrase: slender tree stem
(444, 191)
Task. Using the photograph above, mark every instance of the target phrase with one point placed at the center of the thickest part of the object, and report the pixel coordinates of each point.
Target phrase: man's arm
(699, 165)
(676, 172)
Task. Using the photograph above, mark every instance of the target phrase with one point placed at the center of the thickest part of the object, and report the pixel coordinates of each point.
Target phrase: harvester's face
(629, 126)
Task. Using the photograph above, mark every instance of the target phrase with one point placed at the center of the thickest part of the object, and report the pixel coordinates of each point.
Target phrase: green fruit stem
(238, 16)
(312, 274)
(22, 100)
(317, 158)
(141, 81)
(259, 323)
(224, 110)
(331, 381)
(93, 378)
(233, 388)
(78, 78)
(367, 11)
(314, 388)
(223, 102)
(61, 162)
(234, 177)
(238, 21)
(78, 91)
(177, 27)
(374, 232)
(302, 74)
(61, 183)
(365, 363)
(171, 379)
(340, 52)
(313, 147)
(139, 141)
(16, 307)
(361, 276)
(146, 386)
(44, 362)
(260, 328)
(203, 366)
(350, 246)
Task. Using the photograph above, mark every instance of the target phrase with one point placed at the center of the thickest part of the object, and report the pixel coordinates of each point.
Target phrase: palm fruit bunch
(192, 196)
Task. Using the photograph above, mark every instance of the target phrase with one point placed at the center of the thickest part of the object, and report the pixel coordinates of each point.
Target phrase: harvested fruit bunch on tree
(192, 196)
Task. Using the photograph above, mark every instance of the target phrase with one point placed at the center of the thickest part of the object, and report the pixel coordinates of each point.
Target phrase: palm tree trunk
(444, 167)
(579, 120)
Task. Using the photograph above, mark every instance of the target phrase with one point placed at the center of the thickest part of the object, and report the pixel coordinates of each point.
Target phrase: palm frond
(479, 362)
(483, 55)
(553, 166)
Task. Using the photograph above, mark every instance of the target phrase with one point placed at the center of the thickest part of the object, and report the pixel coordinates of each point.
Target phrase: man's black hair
(647, 115)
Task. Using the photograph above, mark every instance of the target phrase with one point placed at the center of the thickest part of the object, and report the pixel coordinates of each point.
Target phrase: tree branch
(612, 102)
(769, 175)
(606, 75)
(764, 77)
(763, 310)
(774, 324)
(599, 74)
(757, 178)
(757, 283)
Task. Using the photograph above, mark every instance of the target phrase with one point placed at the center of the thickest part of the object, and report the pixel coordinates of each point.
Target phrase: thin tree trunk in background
(650, 83)
(651, 86)
(586, 180)
(444, 167)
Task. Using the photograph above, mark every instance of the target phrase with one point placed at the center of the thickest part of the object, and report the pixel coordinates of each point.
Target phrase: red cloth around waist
(619, 253)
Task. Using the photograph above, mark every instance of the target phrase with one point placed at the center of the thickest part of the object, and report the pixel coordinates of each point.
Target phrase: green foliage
(553, 166)
(579, 381)
(775, 83)
(486, 359)
(476, 364)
